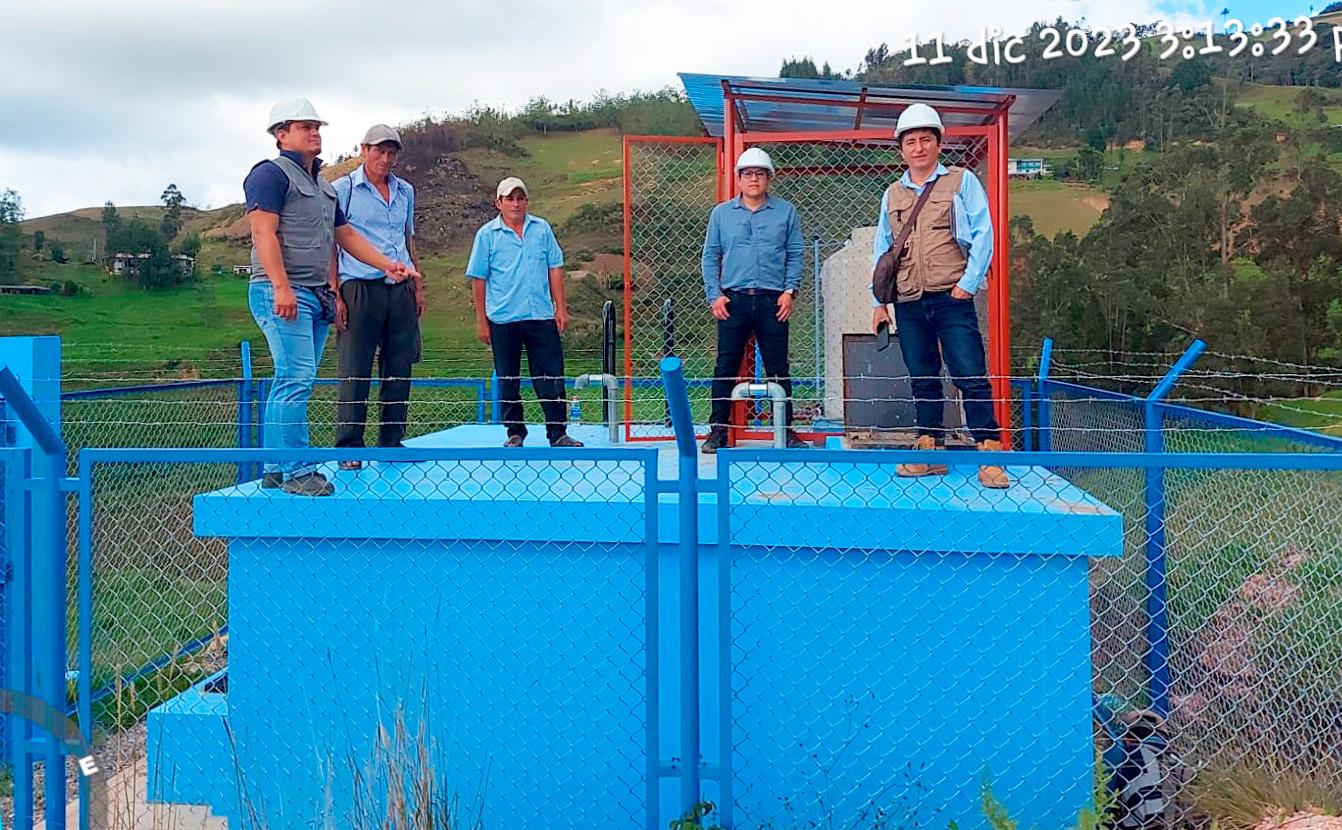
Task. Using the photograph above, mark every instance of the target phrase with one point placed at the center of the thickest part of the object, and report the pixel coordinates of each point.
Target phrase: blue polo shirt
(516, 271)
(746, 248)
(387, 225)
(266, 186)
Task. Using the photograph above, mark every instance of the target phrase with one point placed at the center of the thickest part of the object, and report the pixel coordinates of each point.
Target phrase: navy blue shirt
(266, 186)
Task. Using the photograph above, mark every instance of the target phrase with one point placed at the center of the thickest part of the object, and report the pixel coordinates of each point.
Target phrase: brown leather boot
(990, 475)
(924, 442)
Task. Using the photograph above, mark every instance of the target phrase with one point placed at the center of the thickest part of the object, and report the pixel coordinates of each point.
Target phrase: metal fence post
(668, 341)
(245, 413)
(495, 399)
(1157, 606)
(47, 578)
(19, 634)
(1045, 419)
(678, 400)
(815, 288)
(1027, 414)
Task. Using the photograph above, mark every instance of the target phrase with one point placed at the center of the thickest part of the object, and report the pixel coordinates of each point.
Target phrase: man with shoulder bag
(934, 240)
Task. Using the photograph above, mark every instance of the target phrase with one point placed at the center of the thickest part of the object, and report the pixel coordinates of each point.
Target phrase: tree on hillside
(39, 240)
(189, 245)
(806, 68)
(172, 217)
(111, 224)
(11, 237)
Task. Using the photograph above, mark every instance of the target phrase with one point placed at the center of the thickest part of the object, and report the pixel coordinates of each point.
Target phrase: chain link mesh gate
(670, 187)
(837, 188)
(836, 185)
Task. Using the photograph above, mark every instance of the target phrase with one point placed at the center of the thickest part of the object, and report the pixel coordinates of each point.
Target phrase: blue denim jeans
(939, 318)
(296, 349)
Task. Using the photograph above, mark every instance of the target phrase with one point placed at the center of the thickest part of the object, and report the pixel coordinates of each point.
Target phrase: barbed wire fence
(1253, 557)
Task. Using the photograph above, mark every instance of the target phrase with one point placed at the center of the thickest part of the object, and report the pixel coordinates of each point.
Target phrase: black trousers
(747, 314)
(939, 318)
(545, 357)
(382, 320)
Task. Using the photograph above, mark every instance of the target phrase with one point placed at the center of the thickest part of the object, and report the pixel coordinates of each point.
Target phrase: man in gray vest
(296, 224)
(945, 261)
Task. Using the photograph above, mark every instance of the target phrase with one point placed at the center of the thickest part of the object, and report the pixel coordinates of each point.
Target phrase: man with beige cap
(517, 281)
(375, 314)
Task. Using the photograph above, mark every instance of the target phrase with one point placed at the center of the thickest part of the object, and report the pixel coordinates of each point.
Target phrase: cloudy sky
(116, 100)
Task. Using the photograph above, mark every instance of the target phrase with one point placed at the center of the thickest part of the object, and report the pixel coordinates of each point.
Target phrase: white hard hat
(755, 157)
(292, 109)
(918, 116)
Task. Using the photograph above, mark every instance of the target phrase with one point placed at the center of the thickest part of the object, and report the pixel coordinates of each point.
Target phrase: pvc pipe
(609, 385)
(775, 392)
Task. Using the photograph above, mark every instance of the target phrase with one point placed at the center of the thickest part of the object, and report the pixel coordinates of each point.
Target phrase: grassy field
(1322, 414)
(1280, 103)
(1055, 206)
(564, 171)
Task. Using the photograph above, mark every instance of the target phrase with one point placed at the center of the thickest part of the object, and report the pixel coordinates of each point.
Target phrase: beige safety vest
(933, 261)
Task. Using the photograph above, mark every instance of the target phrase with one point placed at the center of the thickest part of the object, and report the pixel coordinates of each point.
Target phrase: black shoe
(796, 442)
(514, 441)
(312, 484)
(716, 440)
(274, 481)
(566, 441)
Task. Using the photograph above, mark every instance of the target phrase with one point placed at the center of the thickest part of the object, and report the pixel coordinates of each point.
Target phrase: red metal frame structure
(628, 260)
(747, 111)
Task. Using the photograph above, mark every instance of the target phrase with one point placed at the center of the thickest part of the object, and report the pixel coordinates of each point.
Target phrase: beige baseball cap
(380, 133)
(510, 184)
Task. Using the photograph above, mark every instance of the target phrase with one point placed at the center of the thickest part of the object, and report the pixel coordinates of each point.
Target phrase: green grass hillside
(194, 331)
(1282, 104)
(563, 171)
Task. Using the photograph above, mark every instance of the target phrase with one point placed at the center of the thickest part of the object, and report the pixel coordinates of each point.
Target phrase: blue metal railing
(38, 594)
(678, 401)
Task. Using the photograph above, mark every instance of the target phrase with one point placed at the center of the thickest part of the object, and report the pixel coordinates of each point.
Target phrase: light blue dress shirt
(973, 227)
(387, 225)
(516, 271)
(746, 248)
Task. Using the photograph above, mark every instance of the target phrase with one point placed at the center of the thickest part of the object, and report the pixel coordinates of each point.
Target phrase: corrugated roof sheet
(804, 105)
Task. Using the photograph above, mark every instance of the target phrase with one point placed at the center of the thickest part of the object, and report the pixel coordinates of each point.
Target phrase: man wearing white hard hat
(296, 225)
(941, 264)
(517, 282)
(751, 269)
(377, 316)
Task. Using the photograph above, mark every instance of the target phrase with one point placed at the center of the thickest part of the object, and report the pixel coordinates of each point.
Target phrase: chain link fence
(390, 656)
(860, 639)
(836, 187)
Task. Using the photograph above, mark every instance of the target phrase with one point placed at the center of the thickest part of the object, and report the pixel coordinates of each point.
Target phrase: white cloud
(116, 100)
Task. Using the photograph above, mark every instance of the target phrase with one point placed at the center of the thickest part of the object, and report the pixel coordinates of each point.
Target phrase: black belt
(754, 291)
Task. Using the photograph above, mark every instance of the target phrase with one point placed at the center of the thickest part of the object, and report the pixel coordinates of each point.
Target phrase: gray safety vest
(306, 230)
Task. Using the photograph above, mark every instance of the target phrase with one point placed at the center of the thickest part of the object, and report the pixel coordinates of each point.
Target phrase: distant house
(125, 265)
(128, 265)
(242, 270)
(1025, 168)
